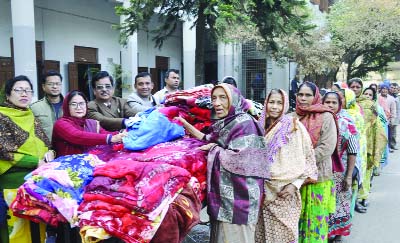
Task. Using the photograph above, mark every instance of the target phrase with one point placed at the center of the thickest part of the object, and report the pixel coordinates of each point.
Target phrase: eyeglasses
(54, 84)
(76, 105)
(21, 91)
(104, 86)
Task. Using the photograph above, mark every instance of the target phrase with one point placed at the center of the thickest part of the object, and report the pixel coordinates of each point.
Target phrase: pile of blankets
(53, 192)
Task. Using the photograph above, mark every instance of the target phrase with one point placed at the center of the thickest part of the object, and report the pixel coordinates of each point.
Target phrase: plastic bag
(153, 128)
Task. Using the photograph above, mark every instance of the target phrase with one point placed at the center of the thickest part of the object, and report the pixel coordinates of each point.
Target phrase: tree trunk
(200, 33)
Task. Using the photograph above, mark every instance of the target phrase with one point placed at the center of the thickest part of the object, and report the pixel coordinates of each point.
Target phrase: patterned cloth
(55, 189)
(290, 157)
(318, 201)
(129, 199)
(340, 221)
(22, 144)
(234, 191)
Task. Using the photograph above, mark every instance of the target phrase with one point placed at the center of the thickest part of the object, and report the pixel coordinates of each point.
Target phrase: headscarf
(311, 116)
(284, 131)
(89, 125)
(312, 119)
(237, 105)
(264, 116)
(239, 137)
(346, 124)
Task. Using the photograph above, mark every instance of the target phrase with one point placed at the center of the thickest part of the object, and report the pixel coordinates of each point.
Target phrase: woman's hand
(288, 191)
(117, 138)
(48, 157)
(190, 129)
(207, 147)
(347, 183)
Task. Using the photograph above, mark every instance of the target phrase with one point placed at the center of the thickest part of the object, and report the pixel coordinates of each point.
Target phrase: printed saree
(290, 157)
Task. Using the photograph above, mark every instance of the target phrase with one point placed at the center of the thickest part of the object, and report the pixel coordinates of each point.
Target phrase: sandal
(338, 239)
(360, 209)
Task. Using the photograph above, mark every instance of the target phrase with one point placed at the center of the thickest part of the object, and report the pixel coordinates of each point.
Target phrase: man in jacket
(109, 110)
(48, 109)
(141, 99)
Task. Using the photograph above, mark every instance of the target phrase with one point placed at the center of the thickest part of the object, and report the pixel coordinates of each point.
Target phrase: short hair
(10, 83)
(142, 75)
(310, 85)
(373, 92)
(395, 84)
(49, 74)
(100, 75)
(357, 80)
(229, 80)
(170, 71)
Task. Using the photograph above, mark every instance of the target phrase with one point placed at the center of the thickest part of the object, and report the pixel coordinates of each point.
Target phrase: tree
(270, 19)
(367, 31)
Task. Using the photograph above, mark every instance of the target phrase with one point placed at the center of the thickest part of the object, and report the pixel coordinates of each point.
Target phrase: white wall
(64, 24)
(171, 48)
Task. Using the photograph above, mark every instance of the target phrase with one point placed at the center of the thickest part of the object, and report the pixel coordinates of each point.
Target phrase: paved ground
(381, 223)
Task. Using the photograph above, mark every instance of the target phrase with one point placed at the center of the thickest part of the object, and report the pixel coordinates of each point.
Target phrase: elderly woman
(318, 200)
(74, 133)
(23, 147)
(290, 161)
(340, 221)
(235, 166)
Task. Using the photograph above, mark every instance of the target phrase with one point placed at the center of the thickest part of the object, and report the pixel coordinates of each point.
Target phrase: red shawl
(312, 119)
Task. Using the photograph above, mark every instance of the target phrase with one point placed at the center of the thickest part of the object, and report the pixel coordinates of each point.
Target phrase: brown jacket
(112, 118)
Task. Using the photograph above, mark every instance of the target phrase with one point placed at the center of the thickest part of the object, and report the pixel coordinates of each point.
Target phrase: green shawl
(376, 135)
(22, 144)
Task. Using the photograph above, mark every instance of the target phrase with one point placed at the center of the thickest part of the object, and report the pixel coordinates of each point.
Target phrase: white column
(189, 51)
(23, 26)
(129, 60)
(229, 62)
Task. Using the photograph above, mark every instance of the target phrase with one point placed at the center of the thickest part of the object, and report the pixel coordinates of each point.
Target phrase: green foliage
(367, 31)
(229, 20)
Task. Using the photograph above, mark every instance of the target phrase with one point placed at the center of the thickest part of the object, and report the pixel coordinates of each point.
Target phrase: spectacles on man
(54, 84)
(103, 86)
(75, 105)
(21, 91)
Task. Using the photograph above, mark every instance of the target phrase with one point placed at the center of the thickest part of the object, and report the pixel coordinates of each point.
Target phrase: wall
(64, 24)
(172, 47)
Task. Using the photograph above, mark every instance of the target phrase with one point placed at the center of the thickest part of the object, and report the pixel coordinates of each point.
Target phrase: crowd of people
(272, 176)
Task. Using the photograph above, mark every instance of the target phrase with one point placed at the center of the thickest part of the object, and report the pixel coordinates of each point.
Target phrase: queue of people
(279, 177)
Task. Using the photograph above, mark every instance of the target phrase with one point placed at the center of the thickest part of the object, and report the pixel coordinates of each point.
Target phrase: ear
(43, 85)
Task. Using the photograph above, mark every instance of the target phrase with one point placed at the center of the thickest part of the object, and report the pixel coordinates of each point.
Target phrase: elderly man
(141, 99)
(48, 109)
(111, 111)
(171, 85)
(394, 91)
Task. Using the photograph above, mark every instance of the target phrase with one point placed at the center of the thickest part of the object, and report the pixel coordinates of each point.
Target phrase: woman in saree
(290, 160)
(318, 200)
(235, 166)
(340, 221)
(370, 94)
(24, 145)
(354, 110)
(376, 138)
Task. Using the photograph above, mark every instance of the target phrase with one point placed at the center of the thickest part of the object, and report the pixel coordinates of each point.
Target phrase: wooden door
(154, 78)
(6, 70)
(73, 80)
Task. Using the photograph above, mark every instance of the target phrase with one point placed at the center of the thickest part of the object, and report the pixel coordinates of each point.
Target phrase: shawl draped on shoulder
(312, 119)
(22, 141)
(238, 137)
